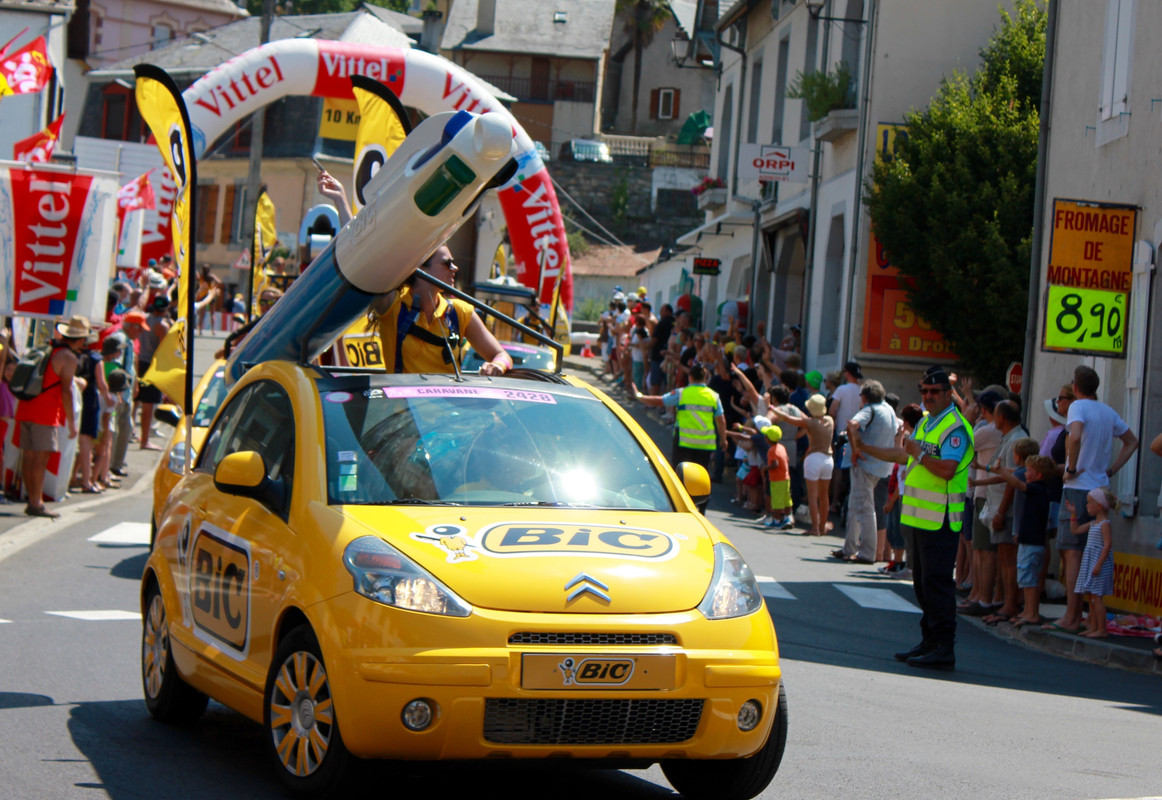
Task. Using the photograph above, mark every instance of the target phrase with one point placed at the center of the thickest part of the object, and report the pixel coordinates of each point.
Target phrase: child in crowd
(1096, 578)
(753, 457)
(1007, 551)
(779, 475)
(1031, 519)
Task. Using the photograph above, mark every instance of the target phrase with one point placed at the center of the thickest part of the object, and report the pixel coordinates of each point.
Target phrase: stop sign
(1013, 377)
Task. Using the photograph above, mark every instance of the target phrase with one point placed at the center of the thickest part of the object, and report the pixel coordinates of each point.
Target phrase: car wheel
(167, 696)
(302, 732)
(734, 779)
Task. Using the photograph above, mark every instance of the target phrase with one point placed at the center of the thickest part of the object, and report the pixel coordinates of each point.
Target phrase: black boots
(918, 650)
(941, 656)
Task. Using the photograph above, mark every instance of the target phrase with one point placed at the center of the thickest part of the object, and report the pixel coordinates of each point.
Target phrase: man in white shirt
(876, 424)
(845, 401)
(1088, 451)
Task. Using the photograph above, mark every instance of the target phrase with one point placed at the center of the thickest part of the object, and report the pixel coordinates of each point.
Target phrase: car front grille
(582, 721)
(594, 639)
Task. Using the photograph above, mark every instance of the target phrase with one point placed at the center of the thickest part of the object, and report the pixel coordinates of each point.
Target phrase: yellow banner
(1137, 584)
(265, 238)
(382, 128)
(167, 371)
(161, 106)
(340, 119)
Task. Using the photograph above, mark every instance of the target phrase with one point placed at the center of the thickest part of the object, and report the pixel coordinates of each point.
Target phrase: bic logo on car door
(219, 589)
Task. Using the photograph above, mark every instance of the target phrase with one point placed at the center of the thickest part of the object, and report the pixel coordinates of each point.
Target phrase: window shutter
(654, 103)
(207, 212)
(677, 98)
(226, 234)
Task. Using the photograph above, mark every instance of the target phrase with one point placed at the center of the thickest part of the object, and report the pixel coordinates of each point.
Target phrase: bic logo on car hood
(542, 539)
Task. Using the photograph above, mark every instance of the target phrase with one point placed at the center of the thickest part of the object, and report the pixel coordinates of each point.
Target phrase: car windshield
(208, 404)
(495, 444)
(522, 355)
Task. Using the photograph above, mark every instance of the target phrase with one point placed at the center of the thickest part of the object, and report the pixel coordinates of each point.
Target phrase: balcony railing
(543, 89)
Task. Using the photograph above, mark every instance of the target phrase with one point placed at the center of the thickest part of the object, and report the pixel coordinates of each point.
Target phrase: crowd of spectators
(791, 443)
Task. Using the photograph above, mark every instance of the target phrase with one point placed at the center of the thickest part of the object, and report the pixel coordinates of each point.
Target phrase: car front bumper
(476, 673)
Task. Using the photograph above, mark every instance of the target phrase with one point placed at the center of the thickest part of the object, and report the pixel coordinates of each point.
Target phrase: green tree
(643, 19)
(954, 207)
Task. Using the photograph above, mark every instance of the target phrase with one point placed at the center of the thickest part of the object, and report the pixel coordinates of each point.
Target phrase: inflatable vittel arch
(323, 68)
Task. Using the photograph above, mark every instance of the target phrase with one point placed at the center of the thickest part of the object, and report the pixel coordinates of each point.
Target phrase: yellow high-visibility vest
(926, 498)
(695, 418)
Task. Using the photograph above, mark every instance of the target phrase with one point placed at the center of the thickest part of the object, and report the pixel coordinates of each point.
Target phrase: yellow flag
(383, 125)
(265, 238)
(167, 371)
(559, 319)
(161, 106)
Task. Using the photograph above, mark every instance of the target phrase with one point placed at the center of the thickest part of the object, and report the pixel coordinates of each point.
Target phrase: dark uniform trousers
(934, 584)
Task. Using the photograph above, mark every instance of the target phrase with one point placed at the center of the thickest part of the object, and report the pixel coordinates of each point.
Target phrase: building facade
(1101, 164)
(800, 251)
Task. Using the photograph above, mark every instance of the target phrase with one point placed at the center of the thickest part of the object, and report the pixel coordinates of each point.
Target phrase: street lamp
(815, 9)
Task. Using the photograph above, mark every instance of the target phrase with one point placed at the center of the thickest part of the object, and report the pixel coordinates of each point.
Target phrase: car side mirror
(697, 482)
(244, 475)
(169, 414)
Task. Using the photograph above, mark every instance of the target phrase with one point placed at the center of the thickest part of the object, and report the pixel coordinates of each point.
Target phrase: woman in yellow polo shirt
(422, 331)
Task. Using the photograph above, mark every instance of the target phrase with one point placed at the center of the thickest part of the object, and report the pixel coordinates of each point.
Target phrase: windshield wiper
(563, 504)
(418, 501)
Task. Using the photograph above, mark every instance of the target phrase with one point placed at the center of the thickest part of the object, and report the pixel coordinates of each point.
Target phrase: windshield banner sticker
(486, 392)
(535, 540)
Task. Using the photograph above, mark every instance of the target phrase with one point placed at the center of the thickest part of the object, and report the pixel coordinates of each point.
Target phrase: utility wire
(590, 216)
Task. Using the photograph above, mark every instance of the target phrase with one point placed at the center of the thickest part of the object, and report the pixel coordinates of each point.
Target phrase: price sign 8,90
(1085, 320)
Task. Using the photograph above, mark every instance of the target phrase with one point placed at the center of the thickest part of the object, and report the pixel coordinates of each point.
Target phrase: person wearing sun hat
(778, 473)
(42, 417)
(819, 464)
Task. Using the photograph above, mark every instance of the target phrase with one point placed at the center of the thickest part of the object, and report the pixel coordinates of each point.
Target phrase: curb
(1076, 648)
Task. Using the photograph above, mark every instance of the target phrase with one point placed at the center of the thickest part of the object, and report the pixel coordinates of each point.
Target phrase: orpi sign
(768, 163)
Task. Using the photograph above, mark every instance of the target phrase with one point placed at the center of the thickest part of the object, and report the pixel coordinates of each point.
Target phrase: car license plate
(572, 671)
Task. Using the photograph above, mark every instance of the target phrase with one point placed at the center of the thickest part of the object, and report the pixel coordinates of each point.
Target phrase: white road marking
(97, 616)
(773, 589)
(124, 533)
(883, 599)
(5, 622)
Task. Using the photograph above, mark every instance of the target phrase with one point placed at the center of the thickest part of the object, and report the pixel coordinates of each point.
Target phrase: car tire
(303, 738)
(734, 779)
(167, 696)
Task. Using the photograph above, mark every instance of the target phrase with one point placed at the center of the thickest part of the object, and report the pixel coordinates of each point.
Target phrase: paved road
(1010, 723)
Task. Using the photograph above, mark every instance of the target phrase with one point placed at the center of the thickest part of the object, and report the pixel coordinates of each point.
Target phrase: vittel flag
(161, 106)
(383, 124)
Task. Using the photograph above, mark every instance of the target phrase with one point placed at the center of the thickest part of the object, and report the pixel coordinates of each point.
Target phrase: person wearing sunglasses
(938, 455)
(422, 331)
(266, 298)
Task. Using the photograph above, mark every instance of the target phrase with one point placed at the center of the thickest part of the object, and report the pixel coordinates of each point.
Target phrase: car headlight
(733, 592)
(387, 576)
(177, 457)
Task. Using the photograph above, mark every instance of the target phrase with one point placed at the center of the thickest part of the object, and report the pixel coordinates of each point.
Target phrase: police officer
(937, 454)
(700, 422)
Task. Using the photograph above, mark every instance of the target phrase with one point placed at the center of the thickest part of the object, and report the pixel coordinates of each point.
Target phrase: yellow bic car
(208, 395)
(415, 567)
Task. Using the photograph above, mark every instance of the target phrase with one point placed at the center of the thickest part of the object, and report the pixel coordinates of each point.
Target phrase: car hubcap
(154, 646)
(301, 721)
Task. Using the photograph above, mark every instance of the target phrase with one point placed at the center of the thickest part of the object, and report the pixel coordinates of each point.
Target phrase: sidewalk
(1124, 652)
(140, 463)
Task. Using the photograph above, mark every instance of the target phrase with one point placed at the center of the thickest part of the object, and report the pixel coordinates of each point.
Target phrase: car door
(236, 543)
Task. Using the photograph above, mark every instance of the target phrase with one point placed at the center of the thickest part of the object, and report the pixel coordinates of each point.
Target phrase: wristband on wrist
(504, 361)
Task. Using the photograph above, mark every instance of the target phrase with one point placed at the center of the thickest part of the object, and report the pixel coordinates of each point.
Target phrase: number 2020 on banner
(1085, 320)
